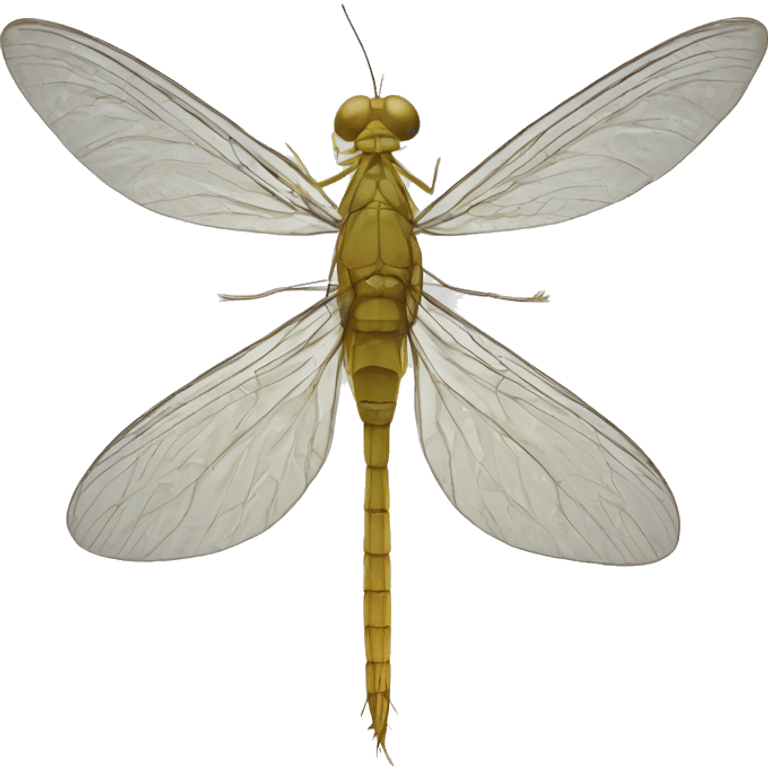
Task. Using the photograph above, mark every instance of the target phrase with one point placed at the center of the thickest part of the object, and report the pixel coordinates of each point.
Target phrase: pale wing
(607, 142)
(153, 141)
(222, 459)
(525, 459)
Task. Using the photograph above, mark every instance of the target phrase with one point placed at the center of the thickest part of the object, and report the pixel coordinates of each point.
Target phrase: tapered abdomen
(375, 364)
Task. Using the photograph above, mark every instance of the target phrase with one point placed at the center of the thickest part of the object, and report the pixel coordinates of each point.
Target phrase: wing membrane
(607, 142)
(153, 141)
(526, 460)
(222, 459)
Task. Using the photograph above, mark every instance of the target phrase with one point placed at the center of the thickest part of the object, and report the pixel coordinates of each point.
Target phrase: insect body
(378, 264)
(226, 456)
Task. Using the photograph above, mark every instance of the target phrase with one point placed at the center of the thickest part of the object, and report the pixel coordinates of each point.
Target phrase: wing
(222, 459)
(607, 142)
(525, 460)
(153, 141)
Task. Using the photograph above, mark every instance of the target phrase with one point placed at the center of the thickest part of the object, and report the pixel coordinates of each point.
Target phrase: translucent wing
(153, 141)
(222, 459)
(525, 459)
(607, 142)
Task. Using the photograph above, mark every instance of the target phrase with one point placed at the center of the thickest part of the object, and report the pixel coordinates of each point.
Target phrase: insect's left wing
(155, 142)
(608, 141)
(222, 459)
(526, 460)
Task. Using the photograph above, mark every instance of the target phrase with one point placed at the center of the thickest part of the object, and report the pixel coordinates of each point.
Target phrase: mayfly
(224, 458)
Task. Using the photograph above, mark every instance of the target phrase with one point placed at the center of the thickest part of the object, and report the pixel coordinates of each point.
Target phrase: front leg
(326, 182)
(418, 182)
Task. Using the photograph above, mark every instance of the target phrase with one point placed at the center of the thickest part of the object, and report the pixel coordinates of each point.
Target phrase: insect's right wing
(222, 459)
(155, 142)
(608, 141)
(526, 460)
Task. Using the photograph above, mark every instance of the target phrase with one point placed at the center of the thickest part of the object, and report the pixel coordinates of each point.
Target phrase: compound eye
(401, 117)
(353, 115)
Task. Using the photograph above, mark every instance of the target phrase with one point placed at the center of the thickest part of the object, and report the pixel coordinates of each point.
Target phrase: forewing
(222, 459)
(153, 141)
(607, 142)
(525, 459)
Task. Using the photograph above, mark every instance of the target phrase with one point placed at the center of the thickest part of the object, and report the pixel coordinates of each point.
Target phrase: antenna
(370, 69)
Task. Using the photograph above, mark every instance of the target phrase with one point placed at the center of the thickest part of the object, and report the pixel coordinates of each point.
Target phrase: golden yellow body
(378, 264)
